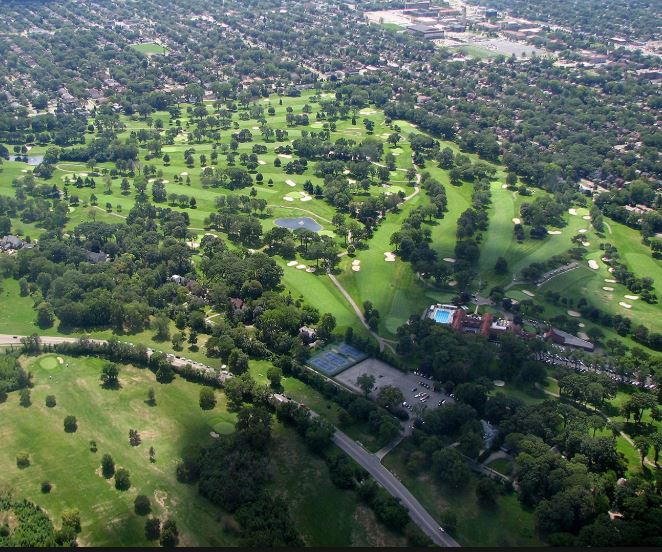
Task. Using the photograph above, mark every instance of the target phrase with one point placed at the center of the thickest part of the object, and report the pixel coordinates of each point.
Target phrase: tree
(134, 438)
(50, 401)
(22, 460)
(141, 505)
(152, 529)
(70, 424)
(24, 398)
(366, 382)
(151, 397)
(274, 375)
(486, 492)
(169, 534)
(450, 467)
(122, 479)
(110, 375)
(643, 446)
(71, 519)
(326, 326)
(107, 466)
(162, 326)
(389, 396)
(238, 362)
(207, 398)
(45, 315)
(501, 266)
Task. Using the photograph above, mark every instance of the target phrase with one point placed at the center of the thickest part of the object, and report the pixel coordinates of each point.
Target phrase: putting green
(48, 363)
(223, 428)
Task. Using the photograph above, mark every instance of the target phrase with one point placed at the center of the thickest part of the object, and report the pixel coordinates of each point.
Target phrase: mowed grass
(508, 524)
(174, 426)
(149, 48)
(324, 514)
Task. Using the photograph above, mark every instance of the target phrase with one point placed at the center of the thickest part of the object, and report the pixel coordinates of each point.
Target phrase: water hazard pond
(298, 222)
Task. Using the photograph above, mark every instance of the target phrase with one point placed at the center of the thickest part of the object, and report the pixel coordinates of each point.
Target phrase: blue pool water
(442, 316)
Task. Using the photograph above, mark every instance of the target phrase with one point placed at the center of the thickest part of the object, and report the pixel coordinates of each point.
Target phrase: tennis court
(336, 358)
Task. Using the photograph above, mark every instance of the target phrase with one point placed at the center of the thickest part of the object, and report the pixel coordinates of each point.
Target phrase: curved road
(368, 461)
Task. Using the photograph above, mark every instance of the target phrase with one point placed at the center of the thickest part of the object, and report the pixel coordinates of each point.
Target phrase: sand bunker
(290, 183)
(306, 198)
(449, 259)
(288, 198)
(367, 112)
(260, 162)
(301, 267)
(311, 269)
(587, 217)
(574, 313)
(60, 360)
(625, 305)
(389, 257)
(554, 232)
(183, 174)
(356, 268)
(452, 283)
(529, 293)
(356, 262)
(517, 221)
(586, 244)
(573, 212)
(611, 269)
(285, 155)
(504, 186)
(292, 263)
(607, 288)
(255, 128)
(582, 230)
(593, 264)
(631, 297)
(610, 280)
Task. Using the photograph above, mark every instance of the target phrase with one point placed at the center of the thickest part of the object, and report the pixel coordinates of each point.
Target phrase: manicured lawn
(502, 465)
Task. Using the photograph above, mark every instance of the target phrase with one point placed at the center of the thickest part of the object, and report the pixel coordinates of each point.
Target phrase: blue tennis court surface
(334, 359)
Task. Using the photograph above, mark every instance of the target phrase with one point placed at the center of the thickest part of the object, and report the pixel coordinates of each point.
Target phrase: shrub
(141, 505)
(22, 460)
(152, 529)
(50, 401)
(122, 479)
(46, 487)
(107, 466)
(70, 424)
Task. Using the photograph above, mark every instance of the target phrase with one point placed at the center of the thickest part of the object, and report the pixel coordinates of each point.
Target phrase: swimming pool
(442, 316)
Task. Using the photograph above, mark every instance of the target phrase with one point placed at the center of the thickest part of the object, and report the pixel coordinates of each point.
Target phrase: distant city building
(425, 31)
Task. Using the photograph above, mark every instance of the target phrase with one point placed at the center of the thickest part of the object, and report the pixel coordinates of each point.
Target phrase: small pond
(32, 161)
(298, 222)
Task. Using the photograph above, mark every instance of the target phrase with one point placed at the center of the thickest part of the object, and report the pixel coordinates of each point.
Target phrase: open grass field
(175, 425)
(149, 48)
(506, 525)
(322, 513)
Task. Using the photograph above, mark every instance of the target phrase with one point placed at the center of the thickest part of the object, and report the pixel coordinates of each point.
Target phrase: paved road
(370, 462)
(372, 465)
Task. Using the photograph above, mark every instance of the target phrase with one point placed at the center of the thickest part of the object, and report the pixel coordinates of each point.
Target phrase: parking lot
(417, 390)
